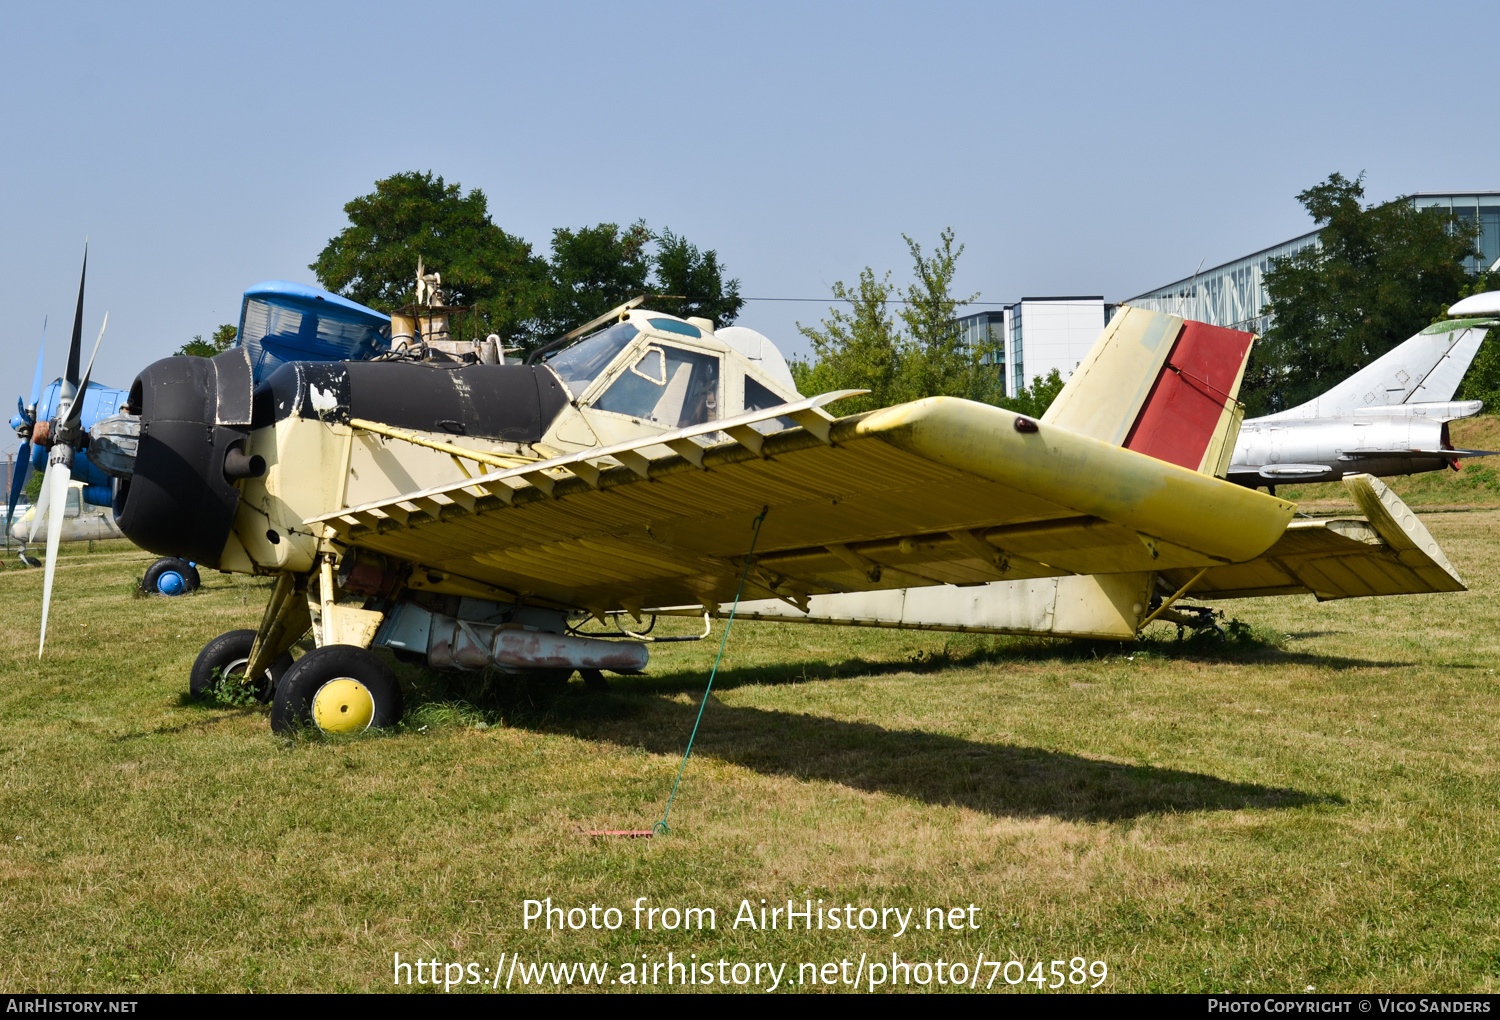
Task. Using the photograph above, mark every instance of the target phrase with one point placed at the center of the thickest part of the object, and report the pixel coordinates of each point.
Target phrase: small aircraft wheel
(594, 680)
(30, 561)
(225, 657)
(337, 689)
(171, 576)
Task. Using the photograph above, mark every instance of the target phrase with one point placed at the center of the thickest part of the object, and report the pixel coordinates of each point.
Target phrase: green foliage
(863, 347)
(1482, 382)
(593, 270)
(417, 215)
(220, 342)
(33, 487)
(692, 281)
(1381, 274)
(1034, 400)
(524, 298)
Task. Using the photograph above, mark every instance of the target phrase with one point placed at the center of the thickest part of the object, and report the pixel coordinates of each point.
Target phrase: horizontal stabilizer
(1390, 553)
(1444, 452)
(1438, 410)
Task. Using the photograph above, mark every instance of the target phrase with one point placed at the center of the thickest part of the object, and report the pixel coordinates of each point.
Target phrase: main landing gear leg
(341, 686)
(285, 621)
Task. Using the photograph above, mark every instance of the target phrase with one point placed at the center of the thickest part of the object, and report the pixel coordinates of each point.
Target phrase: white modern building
(1037, 334)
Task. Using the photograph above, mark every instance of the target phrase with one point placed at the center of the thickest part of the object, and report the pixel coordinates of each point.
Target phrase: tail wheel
(337, 689)
(171, 576)
(225, 658)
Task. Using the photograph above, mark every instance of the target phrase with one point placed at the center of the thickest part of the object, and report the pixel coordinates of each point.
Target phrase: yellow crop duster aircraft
(469, 514)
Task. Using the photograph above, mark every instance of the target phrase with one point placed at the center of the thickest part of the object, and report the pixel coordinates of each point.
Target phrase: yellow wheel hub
(343, 706)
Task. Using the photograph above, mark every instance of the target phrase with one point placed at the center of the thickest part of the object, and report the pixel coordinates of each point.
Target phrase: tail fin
(1105, 394)
(1425, 368)
(1160, 386)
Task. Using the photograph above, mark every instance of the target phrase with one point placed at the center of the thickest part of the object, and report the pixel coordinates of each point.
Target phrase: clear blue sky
(1075, 148)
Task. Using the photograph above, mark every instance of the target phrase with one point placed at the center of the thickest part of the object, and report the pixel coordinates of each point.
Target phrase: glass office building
(1483, 207)
(1234, 293)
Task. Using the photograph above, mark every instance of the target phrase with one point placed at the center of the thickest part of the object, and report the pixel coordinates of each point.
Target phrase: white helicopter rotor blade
(55, 485)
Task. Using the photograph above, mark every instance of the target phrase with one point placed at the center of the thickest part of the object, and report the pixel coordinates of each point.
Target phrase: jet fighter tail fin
(1160, 386)
(1426, 368)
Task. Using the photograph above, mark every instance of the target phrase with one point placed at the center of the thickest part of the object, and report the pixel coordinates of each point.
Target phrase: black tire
(30, 561)
(337, 689)
(172, 565)
(226, 656)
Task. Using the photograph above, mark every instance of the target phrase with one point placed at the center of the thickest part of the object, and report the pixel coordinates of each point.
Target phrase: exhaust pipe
(464, 644)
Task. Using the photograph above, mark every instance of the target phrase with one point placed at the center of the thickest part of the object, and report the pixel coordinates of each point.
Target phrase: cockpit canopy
(660, 370)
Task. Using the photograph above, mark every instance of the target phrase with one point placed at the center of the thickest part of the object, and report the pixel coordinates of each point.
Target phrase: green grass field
(1314, 805)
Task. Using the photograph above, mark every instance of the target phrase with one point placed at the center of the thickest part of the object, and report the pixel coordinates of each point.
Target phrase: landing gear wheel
(337, 689)
(594, 680)
(225, 658)
(171, 576)
(30, 561)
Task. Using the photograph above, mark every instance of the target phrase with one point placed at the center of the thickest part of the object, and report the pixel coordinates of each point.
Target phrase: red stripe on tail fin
(1186, 406)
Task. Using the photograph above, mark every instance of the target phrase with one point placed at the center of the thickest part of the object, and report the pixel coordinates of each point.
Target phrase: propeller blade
(17, 483)
(36, 380)
(42, 504)
(71, 375)
(55, 485)
(75, 412)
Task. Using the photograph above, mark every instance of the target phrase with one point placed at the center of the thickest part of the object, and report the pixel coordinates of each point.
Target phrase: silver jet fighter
(1389, 418)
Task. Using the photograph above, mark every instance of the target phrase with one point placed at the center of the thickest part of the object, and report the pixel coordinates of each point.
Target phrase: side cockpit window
(761, 398)
(668, 386)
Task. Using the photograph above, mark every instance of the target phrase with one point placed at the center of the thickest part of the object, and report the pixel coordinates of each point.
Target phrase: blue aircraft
(280, 321)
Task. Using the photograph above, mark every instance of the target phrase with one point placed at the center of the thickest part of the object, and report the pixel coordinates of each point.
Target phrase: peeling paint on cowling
(455, 644)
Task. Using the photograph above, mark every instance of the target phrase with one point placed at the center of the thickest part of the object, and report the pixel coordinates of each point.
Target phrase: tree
(524, 298)
(417, 215)
(1379, 274)
(221, 341)
(693, 282)
(1034, 400)
(857, 349)
(863, 348)
(594, 269)
(1482, 382)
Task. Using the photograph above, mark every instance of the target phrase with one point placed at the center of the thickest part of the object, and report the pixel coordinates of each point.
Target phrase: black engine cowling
(194, 412)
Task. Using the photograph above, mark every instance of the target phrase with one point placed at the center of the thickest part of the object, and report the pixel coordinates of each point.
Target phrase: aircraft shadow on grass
(1000, 779)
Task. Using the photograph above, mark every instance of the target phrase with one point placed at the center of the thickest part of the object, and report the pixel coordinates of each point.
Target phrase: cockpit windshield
(582, 363)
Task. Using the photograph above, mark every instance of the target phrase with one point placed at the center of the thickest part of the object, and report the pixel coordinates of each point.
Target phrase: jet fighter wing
(940, 490)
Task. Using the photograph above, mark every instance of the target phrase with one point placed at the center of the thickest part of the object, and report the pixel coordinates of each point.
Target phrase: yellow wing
(941, 490)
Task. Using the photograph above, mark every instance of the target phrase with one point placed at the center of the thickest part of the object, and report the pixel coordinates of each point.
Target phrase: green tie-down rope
(661, 826)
